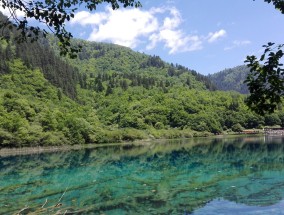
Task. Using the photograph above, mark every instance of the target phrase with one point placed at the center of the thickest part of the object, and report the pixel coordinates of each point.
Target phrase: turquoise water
(195, 176)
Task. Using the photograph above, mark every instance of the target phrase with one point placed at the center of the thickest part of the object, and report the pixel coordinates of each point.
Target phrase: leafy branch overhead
(53, 13)
(279, 4)
(266, 78)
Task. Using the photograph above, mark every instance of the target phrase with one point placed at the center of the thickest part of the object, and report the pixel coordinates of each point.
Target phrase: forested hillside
(109, 94)
(38, 55)
(104, 61)
(231, 79)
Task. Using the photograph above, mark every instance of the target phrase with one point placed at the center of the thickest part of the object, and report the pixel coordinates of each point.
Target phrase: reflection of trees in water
(167, 176)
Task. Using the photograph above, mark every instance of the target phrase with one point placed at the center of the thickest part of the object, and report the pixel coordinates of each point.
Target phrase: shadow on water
(169, 177)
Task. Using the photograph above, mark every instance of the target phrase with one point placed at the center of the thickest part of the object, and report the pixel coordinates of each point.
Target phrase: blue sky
(205, 35)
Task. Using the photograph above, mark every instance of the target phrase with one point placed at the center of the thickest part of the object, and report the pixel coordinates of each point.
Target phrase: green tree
(237, 128)
(109, 90)
(100, 87)
(59, 93)
(265, 81)
(272, 119)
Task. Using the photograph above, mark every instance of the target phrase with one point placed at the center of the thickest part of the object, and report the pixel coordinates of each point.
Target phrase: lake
(228, 175)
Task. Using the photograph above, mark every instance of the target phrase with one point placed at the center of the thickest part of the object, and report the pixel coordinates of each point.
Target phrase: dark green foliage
(120, 66)
(109, 90)
(33, 112)
(237, 128)
(115, 94)
(39, 55)
(117, 101)
(153, 61)
(231, 79)
(279, 4)
(265, 82)
(272, 119)
(54, 69)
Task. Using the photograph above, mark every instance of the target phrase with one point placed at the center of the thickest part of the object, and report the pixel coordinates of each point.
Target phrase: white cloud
(172, 21)
(237, 43)
(133, 27)
(176, 41)
(241, 43)
(86, 18)
(172, 37)
(123, 27)
(19, 14)
(212, 37)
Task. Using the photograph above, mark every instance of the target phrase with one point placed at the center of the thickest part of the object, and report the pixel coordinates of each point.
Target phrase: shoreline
(30, 150)
(5, 152)
(33, 150)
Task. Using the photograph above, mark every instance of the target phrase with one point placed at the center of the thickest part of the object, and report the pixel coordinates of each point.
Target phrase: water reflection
(170, 177)
(216, 207)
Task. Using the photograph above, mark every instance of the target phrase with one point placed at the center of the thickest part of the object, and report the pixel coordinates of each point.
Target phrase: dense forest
(231, 79)
(109, 94)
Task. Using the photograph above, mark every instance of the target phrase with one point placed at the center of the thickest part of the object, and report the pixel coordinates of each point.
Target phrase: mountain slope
(33, 112)
(119, 95)
(114, 60)
(231, 79)
(37, 55)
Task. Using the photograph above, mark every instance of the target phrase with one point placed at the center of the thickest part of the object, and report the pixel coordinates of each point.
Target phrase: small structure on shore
(274, 131)
(250, 131)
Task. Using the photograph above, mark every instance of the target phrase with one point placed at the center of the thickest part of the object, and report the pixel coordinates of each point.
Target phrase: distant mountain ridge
(231, 79)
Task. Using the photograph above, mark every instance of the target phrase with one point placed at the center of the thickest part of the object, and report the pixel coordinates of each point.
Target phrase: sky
(204, 35)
